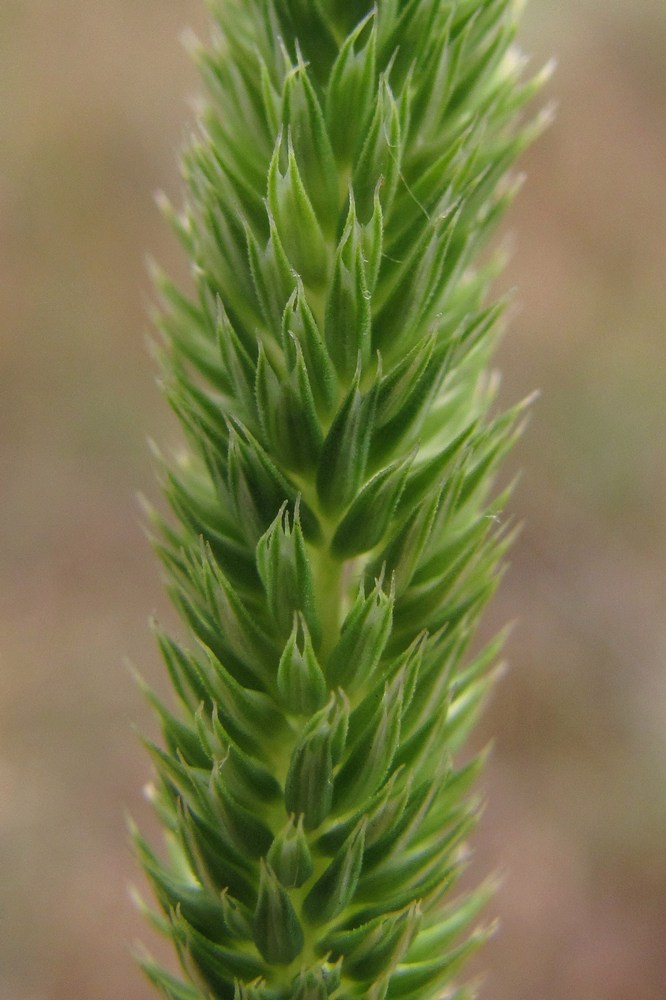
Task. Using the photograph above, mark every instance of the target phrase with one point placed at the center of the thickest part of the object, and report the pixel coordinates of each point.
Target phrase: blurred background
(94, 106)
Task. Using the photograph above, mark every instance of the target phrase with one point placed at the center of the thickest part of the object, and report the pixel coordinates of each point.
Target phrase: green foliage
(335, 533)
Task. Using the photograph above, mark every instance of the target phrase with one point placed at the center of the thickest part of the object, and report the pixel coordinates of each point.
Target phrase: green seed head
(335, 531)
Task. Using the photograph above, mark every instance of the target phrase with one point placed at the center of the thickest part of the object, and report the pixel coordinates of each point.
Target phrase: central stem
(328, 582)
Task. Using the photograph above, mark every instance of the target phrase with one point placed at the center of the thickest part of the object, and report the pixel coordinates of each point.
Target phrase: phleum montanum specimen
(335, 532)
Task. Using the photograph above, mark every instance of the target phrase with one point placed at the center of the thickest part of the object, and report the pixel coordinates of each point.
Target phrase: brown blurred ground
(92, 108)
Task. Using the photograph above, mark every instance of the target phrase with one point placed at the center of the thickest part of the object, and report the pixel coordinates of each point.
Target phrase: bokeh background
(93, 107)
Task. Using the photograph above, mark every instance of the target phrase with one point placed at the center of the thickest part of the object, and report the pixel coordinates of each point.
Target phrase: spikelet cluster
(336, 534)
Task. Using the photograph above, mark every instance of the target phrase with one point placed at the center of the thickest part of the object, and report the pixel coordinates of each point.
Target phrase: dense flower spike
(336, 536)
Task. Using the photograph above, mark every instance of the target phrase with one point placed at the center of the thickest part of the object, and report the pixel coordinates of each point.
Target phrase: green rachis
(335, 532)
